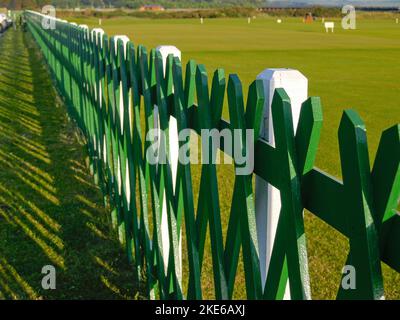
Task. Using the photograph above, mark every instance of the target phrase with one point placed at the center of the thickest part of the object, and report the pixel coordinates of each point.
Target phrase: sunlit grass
(50, 210)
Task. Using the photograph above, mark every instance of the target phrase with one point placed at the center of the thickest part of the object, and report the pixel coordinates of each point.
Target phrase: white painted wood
(124, 40)
(84, 26)
(174, 153)
(122, 107)
(329, 26)
(97, 88)
(268, 200)
(173, 129)
(98, 95)
(95, 33)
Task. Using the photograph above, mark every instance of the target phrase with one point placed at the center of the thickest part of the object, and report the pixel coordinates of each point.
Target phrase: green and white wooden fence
(109, 85)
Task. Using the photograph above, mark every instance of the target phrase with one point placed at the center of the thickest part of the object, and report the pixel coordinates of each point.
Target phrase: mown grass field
(348, 69)
(356, 69)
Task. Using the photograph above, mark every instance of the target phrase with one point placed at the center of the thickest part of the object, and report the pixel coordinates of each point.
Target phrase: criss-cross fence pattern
(109, 85)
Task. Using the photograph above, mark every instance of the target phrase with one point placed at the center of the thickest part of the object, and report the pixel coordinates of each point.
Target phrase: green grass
(356, 69)
(348, 69)
(50, 211)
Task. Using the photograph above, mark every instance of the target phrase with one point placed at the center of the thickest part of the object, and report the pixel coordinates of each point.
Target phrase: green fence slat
(163, 88)
(245, 199)
(152, 184)
(386, 187)
(364, 253)
(184, 182)
(210, 193)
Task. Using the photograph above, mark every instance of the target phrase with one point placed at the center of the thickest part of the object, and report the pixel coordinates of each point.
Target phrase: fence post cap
(288, 74)
(95, 33)
(124, 40)
(166, 50)
(98, 30)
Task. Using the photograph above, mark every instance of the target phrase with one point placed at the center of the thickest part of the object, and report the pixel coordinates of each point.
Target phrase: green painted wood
(136, 168)
(217, 98)
(184, 181)
(209, 193)
(363, 234)
(245, 198)
(386, 187)
(163, 87)
(151, 182)
(108, 91)
(255, 104)
(292, 224)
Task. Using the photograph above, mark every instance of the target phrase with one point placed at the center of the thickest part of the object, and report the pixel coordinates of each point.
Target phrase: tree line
(132, 4)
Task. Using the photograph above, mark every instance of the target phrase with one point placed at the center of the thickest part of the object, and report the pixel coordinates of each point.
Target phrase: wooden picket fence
(109, 87)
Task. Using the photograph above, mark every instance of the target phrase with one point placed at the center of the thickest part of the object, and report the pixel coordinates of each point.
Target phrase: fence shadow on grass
(50, 211)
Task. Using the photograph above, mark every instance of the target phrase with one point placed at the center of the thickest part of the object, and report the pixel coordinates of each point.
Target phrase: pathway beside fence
(51, 213)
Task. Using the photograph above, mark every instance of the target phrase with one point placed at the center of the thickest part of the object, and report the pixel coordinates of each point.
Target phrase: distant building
(276, 9)
(152, 7)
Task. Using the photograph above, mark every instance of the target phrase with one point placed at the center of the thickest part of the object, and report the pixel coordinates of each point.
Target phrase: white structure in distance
(329, 26)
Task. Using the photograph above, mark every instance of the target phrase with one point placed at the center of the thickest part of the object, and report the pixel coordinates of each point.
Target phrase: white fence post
(174, 152)
(96, 34)
(122, 107)
(268, 200)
